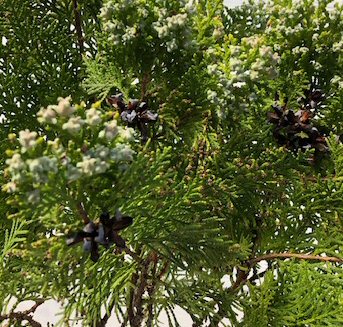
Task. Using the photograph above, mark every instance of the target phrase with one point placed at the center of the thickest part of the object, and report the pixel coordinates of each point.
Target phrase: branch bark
(242, 278)
(286, 255)
(145, 83)
(137, 303)
(78, 26)
(130, 311)
(135, 309)
(153, 287)
(24, 315)
(242, 275)
(102, 322)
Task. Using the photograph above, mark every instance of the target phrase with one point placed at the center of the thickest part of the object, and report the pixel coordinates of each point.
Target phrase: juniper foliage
(211, 193)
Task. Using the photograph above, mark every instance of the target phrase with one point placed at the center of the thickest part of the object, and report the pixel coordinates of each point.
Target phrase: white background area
(233, 3)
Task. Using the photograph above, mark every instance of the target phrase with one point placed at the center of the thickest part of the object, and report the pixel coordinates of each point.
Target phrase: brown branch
(145, 83)
(138, 296)
(130, 312)
(242, 276)
(163, 271)
(24, 315)
(256, 276)
(102, 322)
(20, 316)
(135, 311)
(35, 306)
(272, 256)
(104, 319)
(152, 289)
(78, 26)
(150, 310)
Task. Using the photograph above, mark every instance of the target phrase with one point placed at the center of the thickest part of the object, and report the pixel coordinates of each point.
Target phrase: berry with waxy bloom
(41, 167)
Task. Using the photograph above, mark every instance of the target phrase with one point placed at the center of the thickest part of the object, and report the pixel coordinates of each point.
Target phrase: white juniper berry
(100, 151)
(41, 167)
(73, 173)
(129, 35)
(56, 146)
(91, 166)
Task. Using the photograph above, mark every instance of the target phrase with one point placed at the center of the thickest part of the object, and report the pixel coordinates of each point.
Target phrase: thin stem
(145, 83)
(24, 315)
(138, 295)
(103, 321)
(272, 256)
(242, 277)
(153, 288)
(78, 26)
(35, 306)
(20, 316)
(130, 312)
